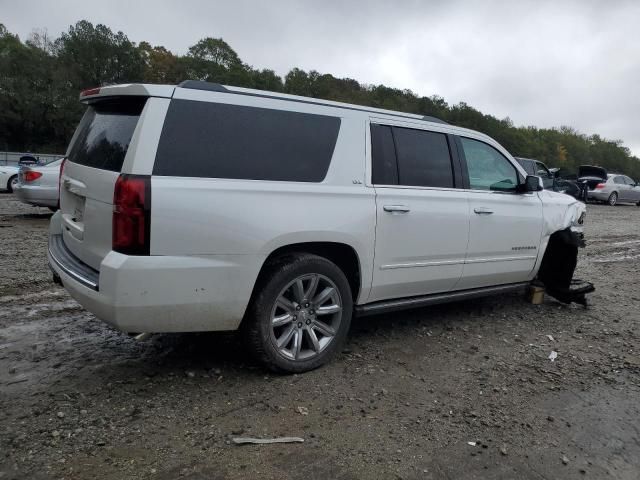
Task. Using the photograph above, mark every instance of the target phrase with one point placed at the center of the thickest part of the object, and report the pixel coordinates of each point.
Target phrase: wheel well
(344, 256)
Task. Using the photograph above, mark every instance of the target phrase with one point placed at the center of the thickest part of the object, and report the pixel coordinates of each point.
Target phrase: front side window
(629, 181)
(543, 172)
(488, 169)
(528, 166)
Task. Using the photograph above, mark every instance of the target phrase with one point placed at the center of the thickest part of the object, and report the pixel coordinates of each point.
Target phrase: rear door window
(423, 158)
(105, 132)
(410, 157)
(215, 140)
(488, 168)
(384, 169)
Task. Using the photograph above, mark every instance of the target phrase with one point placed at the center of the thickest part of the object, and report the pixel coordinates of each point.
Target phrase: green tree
(40, 80)
(95, 56)
(160, 65)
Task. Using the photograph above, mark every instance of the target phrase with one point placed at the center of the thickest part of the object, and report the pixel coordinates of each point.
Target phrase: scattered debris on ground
(81, 400)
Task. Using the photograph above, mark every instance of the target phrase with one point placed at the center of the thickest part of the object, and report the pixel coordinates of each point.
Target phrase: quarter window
(488, 169)
(215, 140)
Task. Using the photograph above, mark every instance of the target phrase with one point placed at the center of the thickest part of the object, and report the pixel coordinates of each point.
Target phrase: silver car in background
(38, 184)
(8, 177)
(617, 188)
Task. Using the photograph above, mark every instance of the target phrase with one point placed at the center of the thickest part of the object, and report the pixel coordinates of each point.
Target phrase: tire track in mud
(614, 249)
(406, 395)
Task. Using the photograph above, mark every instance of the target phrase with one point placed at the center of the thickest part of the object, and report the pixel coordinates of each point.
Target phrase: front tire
(300, 313)
(13, 181)
(613, 199)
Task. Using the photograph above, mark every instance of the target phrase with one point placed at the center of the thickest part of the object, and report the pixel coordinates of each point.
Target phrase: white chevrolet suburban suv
(202, 207)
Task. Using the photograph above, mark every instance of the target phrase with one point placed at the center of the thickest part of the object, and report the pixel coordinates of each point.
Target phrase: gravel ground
(464, 390)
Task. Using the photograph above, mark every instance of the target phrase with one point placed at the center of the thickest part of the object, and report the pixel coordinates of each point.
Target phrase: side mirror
(531, 184)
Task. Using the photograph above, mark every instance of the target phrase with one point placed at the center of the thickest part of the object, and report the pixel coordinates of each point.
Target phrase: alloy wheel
(306, 317)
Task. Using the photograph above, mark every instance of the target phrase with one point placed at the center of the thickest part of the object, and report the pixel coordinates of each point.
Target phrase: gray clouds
(541, 63)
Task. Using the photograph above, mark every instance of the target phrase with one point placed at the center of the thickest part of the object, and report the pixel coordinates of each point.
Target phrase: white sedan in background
(8, 177)
(38, 184)
(616, 189)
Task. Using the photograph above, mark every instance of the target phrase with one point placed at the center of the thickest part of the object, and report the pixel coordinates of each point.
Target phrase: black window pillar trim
(458, 170)
(462, 161)
(395, 154)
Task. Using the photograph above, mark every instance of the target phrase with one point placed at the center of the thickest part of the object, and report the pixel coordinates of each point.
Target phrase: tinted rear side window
(383, 156)
(105, 132)
(202, 139)
(423, 158)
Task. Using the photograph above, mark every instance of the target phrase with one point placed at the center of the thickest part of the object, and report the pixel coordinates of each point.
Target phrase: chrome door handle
(396, 208)
(482, 211)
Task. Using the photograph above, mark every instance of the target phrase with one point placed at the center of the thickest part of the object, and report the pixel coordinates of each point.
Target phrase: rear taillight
(132, 214)
(30, 176)
(600, 185)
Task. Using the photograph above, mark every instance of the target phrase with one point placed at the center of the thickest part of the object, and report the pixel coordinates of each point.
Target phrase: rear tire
(10, 184)
(300, 313)
(613, 199)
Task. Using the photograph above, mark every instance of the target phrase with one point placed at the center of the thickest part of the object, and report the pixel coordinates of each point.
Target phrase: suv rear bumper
(158, 293)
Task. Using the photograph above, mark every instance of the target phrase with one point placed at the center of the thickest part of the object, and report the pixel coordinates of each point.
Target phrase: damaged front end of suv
(563, 232)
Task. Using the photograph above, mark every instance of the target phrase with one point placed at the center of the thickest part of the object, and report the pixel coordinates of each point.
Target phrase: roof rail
(200, 85)
(216, 87)
(429, 118)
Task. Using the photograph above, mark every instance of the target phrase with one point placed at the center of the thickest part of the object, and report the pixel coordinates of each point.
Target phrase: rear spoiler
(131, 89)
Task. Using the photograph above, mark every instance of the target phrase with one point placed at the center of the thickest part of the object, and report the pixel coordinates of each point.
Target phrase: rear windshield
(105, 132)
(214, 140)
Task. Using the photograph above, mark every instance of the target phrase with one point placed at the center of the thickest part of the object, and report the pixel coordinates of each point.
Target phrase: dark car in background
(550, 177)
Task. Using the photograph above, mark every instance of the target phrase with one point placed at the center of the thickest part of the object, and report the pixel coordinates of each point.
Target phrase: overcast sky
(543, 63)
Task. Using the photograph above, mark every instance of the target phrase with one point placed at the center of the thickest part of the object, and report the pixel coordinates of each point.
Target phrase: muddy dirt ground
(457, 391)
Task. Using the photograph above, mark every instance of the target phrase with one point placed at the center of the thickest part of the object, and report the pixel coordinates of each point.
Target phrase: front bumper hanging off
(558, 266)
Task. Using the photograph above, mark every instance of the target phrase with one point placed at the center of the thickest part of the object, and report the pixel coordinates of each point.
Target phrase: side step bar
(396, 304)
